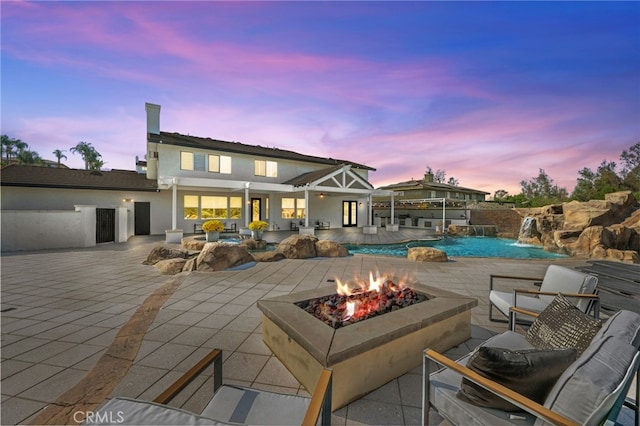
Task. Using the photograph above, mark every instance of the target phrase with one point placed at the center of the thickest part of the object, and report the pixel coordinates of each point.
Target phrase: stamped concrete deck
(65, 313)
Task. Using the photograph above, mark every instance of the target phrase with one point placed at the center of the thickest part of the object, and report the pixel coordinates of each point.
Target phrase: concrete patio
(62, 310)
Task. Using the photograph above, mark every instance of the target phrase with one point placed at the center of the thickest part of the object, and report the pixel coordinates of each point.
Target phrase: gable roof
(47, 177)
(241, 148)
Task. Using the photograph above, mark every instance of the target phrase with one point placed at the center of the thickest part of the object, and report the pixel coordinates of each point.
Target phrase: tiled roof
(309, 177)
(240, 148)
(46, 177)
(425, 184)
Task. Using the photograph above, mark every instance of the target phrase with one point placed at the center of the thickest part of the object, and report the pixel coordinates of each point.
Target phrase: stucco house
(185, 181)
(425, 203)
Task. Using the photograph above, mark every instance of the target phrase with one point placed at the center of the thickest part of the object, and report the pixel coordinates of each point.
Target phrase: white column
(393, 207)
(174, 204)
(306, 210)
(370, 207)
(444, 215)
(247, 203)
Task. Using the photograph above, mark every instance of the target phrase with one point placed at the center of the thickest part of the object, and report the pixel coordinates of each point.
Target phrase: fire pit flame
(362, 300)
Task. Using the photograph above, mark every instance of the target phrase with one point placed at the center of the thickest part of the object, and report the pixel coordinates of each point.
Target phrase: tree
(541, 190)
(29, 157)
(92, 158)
(594, 185)
(440, 176)
(631, 169)
(11, 147)
(59, 155)
(500, 194)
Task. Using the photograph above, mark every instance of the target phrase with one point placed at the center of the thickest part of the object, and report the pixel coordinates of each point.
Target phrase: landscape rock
(268, 256)
(597, 229)
(220, 256)
(159, 253)
(191, 243)
(298, 247)
(190, 265)
(170, 266)
(326, 248)
(251, 244)
(426, 254)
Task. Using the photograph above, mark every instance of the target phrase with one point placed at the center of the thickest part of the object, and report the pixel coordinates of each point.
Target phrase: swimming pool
(460, 247)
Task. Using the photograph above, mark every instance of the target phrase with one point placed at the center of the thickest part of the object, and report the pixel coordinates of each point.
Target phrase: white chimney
(153, 118)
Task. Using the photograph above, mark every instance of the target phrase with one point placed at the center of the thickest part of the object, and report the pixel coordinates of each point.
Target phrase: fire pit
(364, 351)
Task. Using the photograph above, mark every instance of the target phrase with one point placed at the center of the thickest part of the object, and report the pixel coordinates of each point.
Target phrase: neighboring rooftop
(47, 177)
(241, 148)
(428, 183)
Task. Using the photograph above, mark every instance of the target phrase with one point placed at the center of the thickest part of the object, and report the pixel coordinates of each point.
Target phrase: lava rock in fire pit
(339, 310)
(426, 254)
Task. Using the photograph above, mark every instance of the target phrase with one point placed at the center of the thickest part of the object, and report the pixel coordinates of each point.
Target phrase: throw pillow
(562, 325)
(529, 372)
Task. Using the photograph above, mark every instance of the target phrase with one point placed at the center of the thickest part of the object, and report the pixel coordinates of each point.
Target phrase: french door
(349, 213)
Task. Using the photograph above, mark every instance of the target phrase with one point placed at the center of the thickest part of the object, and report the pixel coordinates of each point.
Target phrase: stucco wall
(19, 198)
(37, 229)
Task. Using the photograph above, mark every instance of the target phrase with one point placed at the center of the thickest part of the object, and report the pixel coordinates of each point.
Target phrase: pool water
(460, 247)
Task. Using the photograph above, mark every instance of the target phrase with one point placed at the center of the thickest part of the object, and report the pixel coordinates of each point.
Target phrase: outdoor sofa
(588, 391)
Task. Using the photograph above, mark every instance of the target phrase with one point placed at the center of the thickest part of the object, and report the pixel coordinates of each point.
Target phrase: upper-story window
(192, 161)
(186, 160)
(219, 164)
(266, 168)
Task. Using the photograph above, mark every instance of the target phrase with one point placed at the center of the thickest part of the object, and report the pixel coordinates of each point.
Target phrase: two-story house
(237, 183)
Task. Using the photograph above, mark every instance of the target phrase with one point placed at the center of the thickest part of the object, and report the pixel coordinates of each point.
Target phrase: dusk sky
(491, 92)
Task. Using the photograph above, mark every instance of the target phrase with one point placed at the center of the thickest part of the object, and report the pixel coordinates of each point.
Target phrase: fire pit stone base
(367, 354)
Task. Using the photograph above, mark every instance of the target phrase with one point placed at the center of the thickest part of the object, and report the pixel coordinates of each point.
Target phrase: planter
(257, 234)
(212, 236)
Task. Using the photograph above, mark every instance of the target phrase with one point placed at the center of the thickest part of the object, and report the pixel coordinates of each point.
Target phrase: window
(186, 160)
(235, 204)
(266, 168)
(288, 208)
(300, 208)
(198, 162)
(219, 164)
(190, 207)
(213, 207)
(293, 208)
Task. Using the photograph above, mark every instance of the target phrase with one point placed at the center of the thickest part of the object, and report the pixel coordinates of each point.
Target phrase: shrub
(212, 226)
(258, 225)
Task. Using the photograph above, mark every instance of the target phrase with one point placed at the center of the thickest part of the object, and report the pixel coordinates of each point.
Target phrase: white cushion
(503, 300)
(126, 411)
(240, 405)
(559, 279)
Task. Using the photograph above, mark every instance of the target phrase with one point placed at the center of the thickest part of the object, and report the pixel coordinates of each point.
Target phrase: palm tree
(29, 157)
(91, 157)
(59, 155)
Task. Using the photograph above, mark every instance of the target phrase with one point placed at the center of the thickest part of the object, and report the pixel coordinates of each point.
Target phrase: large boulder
(298, 247)
(615, 208)
(220, 256)
(268, 256)
(251, 244)
(426, 254)
(191, 243)
(170, 266)
(599, 229)
(326, 248)
(159, 253)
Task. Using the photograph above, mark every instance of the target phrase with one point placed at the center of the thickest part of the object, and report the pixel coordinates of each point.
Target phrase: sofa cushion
(587, 390)
(562, 325)
(126, 411)
(623, 324)
(530, 372)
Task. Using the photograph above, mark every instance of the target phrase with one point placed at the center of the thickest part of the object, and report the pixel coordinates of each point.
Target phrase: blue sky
(488, 91)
